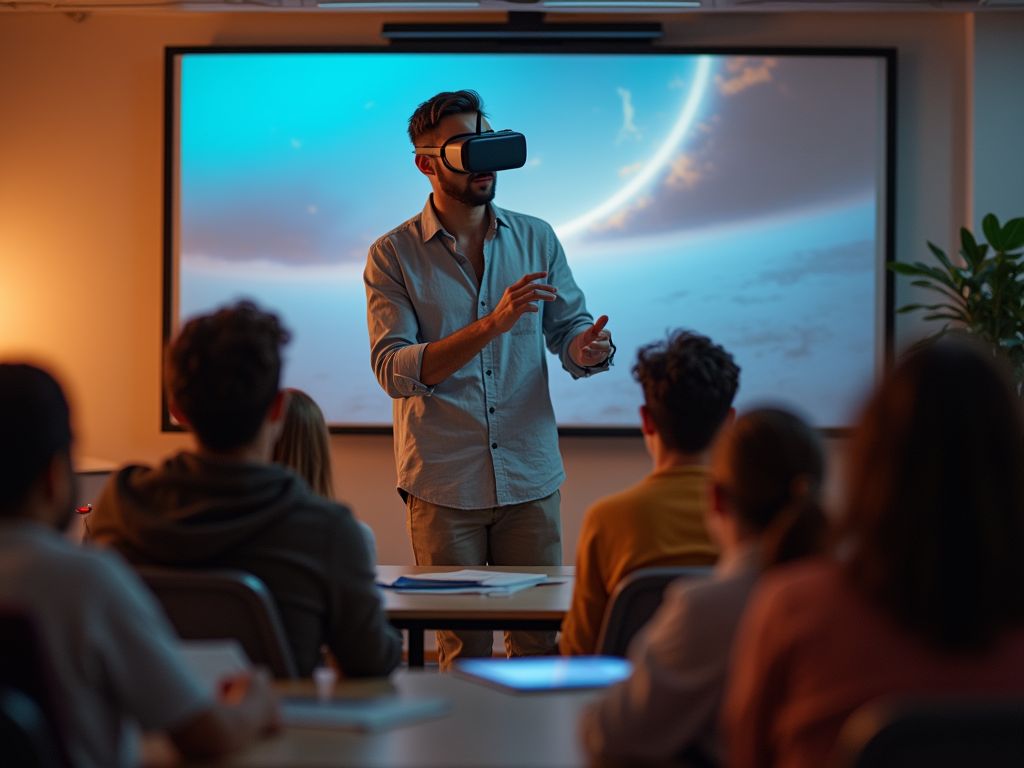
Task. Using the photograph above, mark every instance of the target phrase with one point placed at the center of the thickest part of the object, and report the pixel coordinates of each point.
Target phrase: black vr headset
(480, 152)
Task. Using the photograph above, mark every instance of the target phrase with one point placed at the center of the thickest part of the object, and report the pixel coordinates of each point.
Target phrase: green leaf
(960, 300)
(990, 226)
(941, 255)
(968, 249)
(923, 270)
(1013, 234)
(902, 268)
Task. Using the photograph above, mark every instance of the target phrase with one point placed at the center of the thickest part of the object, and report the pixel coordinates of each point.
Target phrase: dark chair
(31, 731)
(935, 734)
(220, 603)
(634, 602)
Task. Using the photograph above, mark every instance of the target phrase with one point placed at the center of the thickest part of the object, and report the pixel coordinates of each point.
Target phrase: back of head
(35, 426)
(935, 515)
(430, 113)
(304, 445)
(223, 372)
(689, 383)
(770, 466)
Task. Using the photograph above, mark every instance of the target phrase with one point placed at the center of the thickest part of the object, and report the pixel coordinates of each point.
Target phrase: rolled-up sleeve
(567, 317)
(396, 351)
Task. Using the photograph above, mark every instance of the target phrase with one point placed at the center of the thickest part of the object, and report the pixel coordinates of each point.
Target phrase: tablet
(546, 673)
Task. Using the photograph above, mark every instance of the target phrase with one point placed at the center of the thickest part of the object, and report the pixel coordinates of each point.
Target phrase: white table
(538, 608)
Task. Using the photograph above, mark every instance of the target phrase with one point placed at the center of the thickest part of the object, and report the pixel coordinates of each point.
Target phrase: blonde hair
(304, 445)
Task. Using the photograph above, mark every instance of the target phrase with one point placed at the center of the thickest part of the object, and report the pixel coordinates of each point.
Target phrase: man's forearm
(444, 357)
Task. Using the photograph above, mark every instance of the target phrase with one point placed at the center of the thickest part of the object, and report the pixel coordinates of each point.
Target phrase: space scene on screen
(737, 196)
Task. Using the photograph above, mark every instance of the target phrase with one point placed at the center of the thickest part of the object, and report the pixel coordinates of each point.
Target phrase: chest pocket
(528, 324)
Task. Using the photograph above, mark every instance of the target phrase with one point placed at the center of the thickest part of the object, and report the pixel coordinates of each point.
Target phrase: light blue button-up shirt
(486, 435)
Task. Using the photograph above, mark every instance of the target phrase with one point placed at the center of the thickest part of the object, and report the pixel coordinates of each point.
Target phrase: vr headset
(480, 152)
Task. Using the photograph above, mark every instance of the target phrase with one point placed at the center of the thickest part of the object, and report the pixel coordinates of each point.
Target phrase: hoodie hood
(192, 508)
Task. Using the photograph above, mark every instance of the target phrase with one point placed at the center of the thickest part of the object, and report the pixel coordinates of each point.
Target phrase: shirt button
(488, 371)
(492, 410)
(494, 445)
(483, 303)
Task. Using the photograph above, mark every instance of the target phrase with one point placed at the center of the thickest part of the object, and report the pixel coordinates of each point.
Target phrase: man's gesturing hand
(592, 346)
(519, 299)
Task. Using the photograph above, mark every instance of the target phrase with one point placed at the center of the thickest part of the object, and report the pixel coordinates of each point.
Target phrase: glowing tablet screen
(547, 673)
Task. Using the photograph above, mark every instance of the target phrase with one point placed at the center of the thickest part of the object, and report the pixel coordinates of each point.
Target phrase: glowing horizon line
(644, 176)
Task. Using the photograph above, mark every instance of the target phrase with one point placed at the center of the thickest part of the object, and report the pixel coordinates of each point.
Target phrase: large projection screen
(746, 195)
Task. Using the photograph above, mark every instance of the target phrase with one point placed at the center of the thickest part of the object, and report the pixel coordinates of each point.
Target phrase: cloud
(620, 219)
(629, 170)
(684, 172)
(296, 143)
(742, 73)
(534, 162)
(629, 129)
(849, 258)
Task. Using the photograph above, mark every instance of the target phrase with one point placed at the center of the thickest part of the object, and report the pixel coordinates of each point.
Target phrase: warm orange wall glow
(81, 143)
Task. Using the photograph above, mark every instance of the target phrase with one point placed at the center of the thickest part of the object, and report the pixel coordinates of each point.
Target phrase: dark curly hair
(430, 113)
(689, 383)
(223, 372)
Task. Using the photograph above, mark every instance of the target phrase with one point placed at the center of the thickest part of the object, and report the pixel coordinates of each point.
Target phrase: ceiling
(547, 6)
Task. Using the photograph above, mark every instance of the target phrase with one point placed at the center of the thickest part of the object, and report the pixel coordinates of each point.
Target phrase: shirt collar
(430, 225)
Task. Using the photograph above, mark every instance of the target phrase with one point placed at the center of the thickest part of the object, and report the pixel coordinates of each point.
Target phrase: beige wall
(81, 141)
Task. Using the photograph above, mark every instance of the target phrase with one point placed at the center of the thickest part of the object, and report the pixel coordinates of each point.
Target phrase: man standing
(461, 300)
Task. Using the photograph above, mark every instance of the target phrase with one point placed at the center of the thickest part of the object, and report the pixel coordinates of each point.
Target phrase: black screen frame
(172, 53)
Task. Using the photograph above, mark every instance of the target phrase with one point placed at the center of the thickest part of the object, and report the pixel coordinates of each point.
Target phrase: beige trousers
(519, 534)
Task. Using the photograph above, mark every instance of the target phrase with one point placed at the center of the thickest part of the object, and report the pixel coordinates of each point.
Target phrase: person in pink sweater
(927, 596)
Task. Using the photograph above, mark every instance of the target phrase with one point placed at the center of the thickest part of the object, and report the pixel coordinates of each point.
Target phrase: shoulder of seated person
(615, 504)
(793, 582)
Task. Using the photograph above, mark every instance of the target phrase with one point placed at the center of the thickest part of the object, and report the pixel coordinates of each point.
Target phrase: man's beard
(466, 195)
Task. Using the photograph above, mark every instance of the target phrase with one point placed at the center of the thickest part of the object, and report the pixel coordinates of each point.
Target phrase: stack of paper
(466, 582)
(360, 715)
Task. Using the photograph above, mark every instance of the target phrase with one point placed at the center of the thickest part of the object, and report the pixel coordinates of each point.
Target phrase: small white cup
(324, 679)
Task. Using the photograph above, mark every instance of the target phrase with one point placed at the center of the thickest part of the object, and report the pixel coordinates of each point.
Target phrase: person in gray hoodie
(227, 505)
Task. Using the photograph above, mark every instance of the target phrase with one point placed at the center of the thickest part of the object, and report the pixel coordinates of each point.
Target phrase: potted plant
(983, 297)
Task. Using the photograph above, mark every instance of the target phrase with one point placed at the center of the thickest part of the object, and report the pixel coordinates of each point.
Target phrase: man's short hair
(430, 113)
(35, 426)
(223, 371)
(689, 383)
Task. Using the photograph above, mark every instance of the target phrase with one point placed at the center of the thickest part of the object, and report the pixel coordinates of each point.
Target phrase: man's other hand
(520, 298)
(592, 346)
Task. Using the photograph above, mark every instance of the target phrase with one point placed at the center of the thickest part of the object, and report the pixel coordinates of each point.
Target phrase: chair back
(934, 734)
(634, 602)
(31, 731)
(214, 604)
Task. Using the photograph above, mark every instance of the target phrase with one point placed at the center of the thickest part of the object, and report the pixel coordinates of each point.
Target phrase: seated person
(927, 598)
(228, 505)
(688, 385)
(113, 656)
(766, 473)
(305, 447)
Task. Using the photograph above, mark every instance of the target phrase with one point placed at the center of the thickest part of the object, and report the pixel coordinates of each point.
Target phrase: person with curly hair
(689, 383)
(229, 505)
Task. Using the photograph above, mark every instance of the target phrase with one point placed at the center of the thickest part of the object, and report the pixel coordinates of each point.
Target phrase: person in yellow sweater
(689, 383)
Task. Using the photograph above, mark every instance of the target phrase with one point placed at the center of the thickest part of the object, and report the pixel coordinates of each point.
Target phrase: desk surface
(486, 728)
(543, 602)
